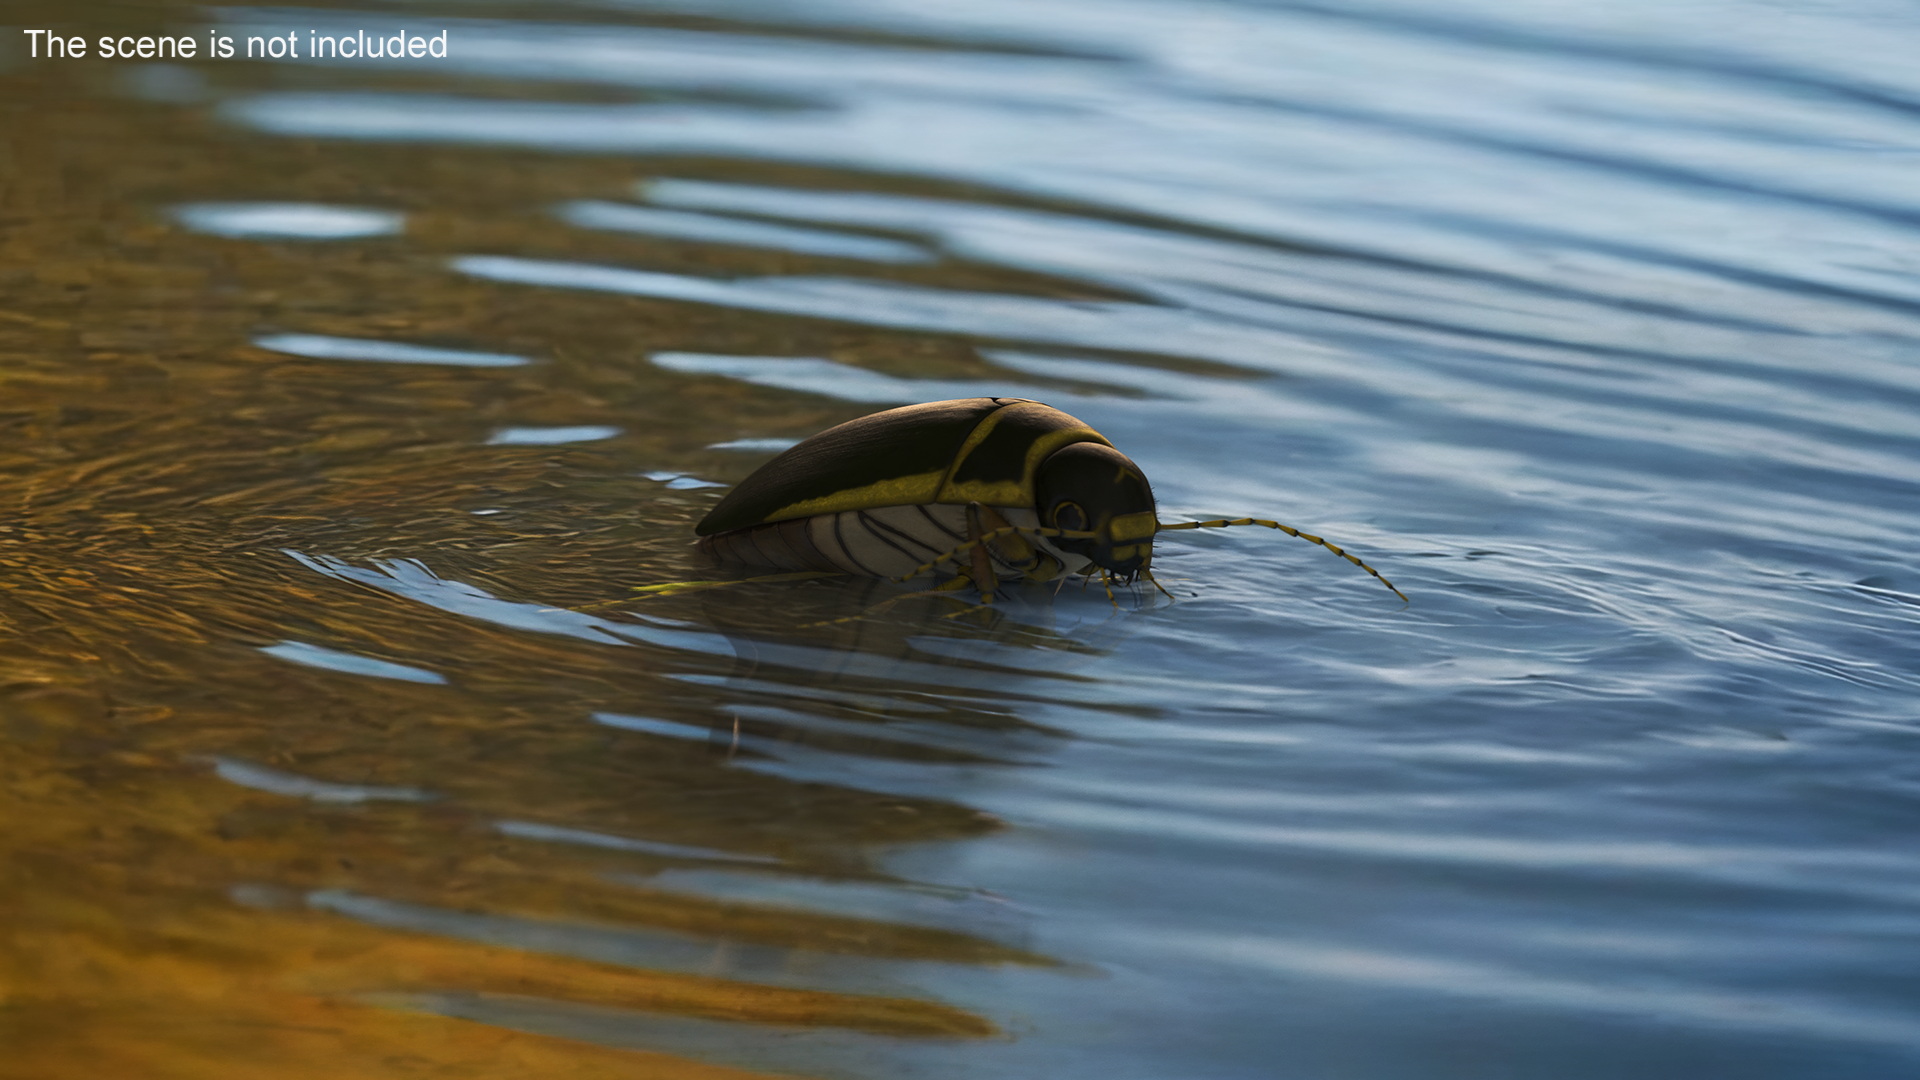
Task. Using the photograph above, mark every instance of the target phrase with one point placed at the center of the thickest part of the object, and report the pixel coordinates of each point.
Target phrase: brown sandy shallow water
(156, 464)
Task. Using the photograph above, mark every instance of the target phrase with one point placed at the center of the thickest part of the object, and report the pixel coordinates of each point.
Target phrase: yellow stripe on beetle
(899, 491)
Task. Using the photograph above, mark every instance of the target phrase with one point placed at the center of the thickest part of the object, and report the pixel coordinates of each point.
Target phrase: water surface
(347, 406)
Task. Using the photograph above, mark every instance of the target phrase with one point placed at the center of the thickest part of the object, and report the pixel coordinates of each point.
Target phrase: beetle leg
(1022, 551)
(1011, 545)
(1016, 550)
(673, 587)
(968, 545)
(953, 584)
(1046, 567)
(942, 591)
(985, 608)
(1015, 545)
(982, 559)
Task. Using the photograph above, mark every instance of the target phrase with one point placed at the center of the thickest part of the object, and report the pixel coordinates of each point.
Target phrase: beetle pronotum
(1000, 487)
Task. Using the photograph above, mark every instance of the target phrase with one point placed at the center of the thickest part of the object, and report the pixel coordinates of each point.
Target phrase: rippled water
(347, 404)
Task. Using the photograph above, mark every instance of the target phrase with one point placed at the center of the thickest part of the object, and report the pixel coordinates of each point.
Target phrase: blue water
(1594, 328)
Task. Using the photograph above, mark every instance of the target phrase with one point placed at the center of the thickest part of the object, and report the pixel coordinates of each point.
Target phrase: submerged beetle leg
(674, 588)
(943, 591)
(981, 558)
(987, 538)
(983, 608)
(956, 583)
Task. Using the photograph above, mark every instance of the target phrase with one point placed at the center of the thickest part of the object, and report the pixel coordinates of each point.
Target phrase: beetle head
(1091, 487)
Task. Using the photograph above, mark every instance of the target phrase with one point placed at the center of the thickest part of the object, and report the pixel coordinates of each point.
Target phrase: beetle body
(890, 493)
(999, 487)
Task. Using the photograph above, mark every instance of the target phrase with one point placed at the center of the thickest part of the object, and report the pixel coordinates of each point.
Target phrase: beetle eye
(1069, 516)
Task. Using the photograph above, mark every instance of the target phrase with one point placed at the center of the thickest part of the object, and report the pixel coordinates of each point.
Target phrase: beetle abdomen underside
(885, 541)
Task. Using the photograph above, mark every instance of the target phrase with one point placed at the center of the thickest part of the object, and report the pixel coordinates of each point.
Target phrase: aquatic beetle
(1002, 487)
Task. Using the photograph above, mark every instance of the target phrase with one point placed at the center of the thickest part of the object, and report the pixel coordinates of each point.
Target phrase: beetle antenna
(1224, 523)
(995, 534)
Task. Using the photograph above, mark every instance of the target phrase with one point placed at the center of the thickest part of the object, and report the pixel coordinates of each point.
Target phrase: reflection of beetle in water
(1002, 487)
